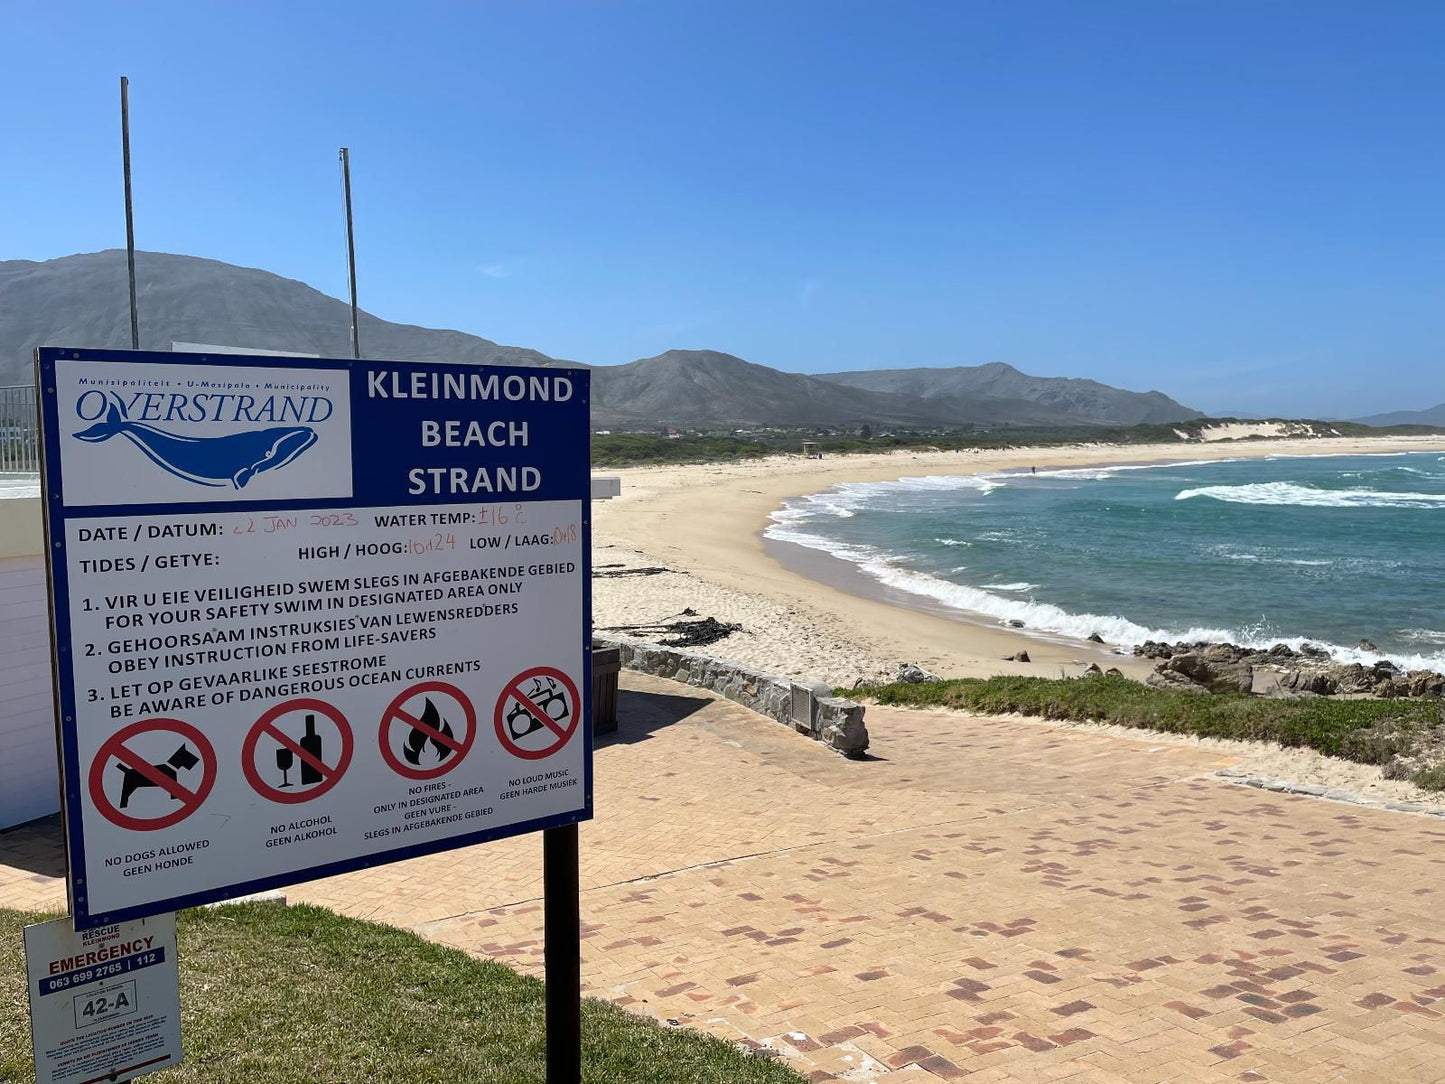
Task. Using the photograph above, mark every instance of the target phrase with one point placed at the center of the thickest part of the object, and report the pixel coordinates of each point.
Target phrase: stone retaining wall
(808, 708)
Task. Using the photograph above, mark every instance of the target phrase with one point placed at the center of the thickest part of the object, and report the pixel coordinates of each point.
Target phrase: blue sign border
(72, 784)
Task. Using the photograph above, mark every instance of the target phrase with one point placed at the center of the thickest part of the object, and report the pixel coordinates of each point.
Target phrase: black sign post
(562, 949)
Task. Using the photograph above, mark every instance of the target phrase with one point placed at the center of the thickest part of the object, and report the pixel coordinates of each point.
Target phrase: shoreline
(799, 608)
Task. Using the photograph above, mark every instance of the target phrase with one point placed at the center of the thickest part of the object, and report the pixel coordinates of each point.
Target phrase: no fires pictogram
(427, 729)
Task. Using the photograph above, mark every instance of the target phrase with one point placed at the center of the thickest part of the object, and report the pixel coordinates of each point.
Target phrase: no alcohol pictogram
(297, 751)
(152, 774)
(427, 730)
(537, 712)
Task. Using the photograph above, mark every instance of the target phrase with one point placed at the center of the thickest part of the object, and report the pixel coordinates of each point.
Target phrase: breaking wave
(1009, 547)
(1302, 496)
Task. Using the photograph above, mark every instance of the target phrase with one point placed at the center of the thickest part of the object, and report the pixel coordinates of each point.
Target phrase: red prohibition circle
(513, 691)
(264, 725)
(114, 748)
(394, 714)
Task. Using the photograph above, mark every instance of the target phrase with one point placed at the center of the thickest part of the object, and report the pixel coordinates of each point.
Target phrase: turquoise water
(1324, 549)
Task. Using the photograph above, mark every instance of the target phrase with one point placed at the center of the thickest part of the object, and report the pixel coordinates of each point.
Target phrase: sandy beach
(810, 616)
(805, 613)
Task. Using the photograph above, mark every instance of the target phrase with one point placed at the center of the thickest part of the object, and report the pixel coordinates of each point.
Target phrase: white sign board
(104, 1004)
(311, 616)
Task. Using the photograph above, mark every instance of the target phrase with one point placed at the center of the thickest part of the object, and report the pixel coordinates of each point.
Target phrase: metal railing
(19, 430)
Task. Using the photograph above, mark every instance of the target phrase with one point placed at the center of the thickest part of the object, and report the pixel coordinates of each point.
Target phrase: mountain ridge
(83, 300)
(1434, 415)
(1075, 396)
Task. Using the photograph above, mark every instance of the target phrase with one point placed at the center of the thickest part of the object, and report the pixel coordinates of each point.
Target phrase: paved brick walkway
(988, 899)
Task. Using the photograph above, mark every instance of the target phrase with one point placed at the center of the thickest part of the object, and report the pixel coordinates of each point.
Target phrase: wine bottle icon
(311, 742)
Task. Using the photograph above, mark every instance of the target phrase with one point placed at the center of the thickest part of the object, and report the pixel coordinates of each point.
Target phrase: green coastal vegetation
(618, 449)
(300, 995)
(1367, 731)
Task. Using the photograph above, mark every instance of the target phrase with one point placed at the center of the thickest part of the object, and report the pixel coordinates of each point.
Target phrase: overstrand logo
(229, 460)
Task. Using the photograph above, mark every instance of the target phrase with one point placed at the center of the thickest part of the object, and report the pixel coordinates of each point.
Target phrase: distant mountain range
(83, 301)
(1434, 416)
(1010, 392)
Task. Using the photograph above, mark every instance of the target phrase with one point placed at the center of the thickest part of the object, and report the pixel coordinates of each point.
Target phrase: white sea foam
(1099, 474)
(1291, 493)
(790, 524)
(1335, 455)
(845, 499)
(1230, 554)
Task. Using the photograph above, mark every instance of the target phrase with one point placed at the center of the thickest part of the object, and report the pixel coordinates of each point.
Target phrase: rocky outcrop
(1213, 672)
(1281, 671)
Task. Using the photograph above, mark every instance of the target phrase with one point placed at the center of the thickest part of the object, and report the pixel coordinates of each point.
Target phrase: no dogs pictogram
(290, 737)
(537, 712)
(186, 774)
(419, 730)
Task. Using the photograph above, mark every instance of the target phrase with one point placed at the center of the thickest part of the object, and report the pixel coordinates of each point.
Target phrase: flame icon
(417, 739)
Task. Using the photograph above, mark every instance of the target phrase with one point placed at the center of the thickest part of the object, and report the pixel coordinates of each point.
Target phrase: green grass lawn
(1368, 731)
(299, 995)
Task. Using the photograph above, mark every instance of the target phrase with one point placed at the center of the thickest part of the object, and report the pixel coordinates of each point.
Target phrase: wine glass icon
(284, 759)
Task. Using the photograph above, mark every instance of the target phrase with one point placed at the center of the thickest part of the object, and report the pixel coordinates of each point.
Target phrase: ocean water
(1292, 549)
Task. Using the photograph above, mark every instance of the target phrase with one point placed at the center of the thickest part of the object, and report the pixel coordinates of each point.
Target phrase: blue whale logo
(231, 460)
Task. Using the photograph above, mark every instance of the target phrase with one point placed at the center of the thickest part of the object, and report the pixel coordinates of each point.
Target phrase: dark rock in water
(1386, 666)
(1281, 651)
(1094, 638)
(1015, 623)
(1312, 652)
(1367, 645)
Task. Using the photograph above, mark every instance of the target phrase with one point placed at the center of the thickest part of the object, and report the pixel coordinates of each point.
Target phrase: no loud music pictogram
(537, 713)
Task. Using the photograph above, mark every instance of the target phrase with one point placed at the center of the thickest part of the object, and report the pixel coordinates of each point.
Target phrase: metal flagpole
(562, 948)
(350, 248)
(129, 217)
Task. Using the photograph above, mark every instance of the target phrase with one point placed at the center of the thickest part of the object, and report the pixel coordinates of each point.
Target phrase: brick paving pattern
(990, 900)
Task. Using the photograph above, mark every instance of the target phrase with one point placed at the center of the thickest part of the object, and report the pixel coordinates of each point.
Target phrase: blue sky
(1240, 204)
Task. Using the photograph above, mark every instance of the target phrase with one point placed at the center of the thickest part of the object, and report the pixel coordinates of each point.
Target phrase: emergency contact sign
(291, 597)
(104, 1004)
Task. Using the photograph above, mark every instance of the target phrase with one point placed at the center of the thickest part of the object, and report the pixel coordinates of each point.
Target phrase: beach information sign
(105, 1004)
(310, 616)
